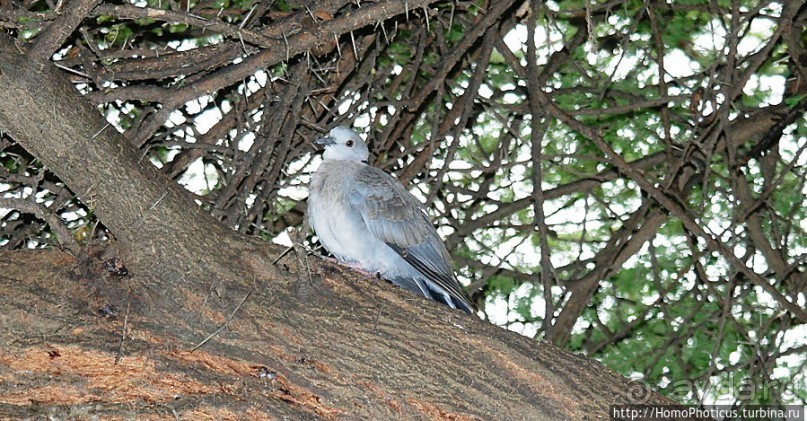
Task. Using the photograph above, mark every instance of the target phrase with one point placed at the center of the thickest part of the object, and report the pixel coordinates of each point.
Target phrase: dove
(366, 219)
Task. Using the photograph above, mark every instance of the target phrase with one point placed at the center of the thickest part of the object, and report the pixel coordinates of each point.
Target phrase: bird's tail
(426, 288)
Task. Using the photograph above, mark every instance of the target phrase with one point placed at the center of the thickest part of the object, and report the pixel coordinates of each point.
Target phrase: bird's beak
(325, 141)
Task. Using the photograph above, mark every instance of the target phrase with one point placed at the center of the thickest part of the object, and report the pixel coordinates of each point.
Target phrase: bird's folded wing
(397, 218)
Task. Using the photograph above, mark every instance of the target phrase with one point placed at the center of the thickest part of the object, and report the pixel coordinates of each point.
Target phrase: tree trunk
(206, 325)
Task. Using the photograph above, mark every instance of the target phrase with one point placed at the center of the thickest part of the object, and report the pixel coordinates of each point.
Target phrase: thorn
(63, 67)
(286, 40)
(100, 131)
(355, 50)
(426, 15)
(249, 15)
(451, 19)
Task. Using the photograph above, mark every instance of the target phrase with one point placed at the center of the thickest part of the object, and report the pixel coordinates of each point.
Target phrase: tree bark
(329, 347)
(206, 324)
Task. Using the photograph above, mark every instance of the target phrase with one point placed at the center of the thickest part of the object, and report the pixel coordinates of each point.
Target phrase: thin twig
(282, 255)
(224, 325)
(100, 131)
(119, 355)
(145, 215)
(74, 71)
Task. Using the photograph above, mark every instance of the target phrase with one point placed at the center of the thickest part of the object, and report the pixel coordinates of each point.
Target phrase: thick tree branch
(63, 234)
(319, 348)
(129, 196)
(54, 35)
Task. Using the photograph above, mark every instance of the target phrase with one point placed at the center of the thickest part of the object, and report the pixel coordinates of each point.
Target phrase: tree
(611, 201)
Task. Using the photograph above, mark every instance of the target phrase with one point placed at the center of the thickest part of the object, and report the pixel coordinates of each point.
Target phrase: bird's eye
(349, 143)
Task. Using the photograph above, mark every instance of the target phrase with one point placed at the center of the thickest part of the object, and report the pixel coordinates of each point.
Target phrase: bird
(368, 220)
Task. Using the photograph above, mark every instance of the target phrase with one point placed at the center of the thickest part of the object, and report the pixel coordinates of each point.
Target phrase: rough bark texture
(329, 346)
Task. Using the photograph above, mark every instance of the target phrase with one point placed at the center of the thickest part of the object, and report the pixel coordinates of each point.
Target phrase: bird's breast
(339, 228)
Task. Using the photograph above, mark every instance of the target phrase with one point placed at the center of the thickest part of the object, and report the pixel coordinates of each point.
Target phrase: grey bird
(367, 219)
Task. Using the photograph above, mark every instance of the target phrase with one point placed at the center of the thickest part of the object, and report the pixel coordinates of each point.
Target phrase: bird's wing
(397, 218)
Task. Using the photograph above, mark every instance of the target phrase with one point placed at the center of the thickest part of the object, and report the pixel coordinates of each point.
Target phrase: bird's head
(343, 144)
